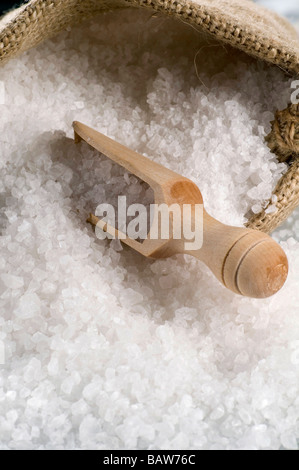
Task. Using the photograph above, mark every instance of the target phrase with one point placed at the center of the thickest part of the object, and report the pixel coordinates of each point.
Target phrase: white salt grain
(79, 104)
(289, 441)
(272, 209)
(29, 306)
(11, 281)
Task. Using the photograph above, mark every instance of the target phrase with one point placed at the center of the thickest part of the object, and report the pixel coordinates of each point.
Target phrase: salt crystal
(242, 357)
(256, 208)
(271, 209)
(53, 366)
(32, 370)
(166, 282)
(289, 441)
(295, 357)
(130, 297)
(88, 429)
(80, 407)
(70, 382)
(79, 104)
(217, 413)
(116, 245)
(11, 281)
(11, 395)
(29, 306)
(12, 416)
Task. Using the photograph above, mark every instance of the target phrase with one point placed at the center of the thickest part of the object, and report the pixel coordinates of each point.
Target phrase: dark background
(9, 4)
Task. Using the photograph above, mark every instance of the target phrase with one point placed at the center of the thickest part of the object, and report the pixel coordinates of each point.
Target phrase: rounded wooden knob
(255, 266)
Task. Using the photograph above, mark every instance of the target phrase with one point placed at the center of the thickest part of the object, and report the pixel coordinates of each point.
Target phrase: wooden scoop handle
(248, 262)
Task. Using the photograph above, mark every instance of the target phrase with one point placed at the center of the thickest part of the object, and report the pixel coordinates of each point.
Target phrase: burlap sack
(240, 23)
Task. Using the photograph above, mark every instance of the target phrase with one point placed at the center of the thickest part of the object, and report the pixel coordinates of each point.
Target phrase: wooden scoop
(248, 262)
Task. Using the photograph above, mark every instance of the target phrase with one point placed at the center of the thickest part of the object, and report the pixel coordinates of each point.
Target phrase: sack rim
(208, 17)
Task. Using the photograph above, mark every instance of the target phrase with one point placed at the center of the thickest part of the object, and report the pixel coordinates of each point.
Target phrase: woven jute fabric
(240, 23)
(283, 140)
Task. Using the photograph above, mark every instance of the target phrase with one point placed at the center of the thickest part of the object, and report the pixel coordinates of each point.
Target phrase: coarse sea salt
(103, 348)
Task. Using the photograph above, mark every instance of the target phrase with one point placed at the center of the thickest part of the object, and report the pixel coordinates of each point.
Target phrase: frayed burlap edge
(41, 19)
(287, 192)
(283, 140)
